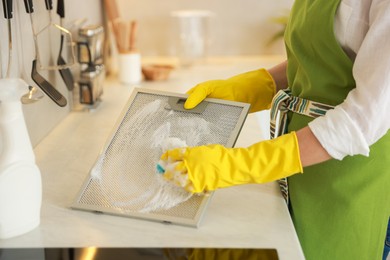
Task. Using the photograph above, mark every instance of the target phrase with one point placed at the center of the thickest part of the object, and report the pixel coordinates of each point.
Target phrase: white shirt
(362, 28)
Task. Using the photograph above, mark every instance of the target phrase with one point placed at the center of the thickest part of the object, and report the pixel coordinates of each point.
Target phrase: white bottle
(20, 178)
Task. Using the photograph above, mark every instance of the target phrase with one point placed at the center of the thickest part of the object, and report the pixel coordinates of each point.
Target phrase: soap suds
(127, 171)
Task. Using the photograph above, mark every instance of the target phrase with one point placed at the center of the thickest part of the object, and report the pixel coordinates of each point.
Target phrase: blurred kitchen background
(235, 28)
(238, 27)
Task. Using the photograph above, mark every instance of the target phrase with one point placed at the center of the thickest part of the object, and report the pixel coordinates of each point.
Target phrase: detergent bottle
(20, 178)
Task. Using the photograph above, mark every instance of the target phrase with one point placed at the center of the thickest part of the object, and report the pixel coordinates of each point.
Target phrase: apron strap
(283, 102)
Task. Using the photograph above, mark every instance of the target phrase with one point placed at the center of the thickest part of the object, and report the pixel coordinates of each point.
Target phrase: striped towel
(283, 102)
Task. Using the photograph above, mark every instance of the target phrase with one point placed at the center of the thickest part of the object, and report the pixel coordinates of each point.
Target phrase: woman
(335, 133)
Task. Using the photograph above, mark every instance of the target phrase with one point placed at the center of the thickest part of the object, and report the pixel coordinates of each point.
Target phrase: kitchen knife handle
(177, 104)
(49, 4)
(28, 4)
(7, 8)
(61, 8)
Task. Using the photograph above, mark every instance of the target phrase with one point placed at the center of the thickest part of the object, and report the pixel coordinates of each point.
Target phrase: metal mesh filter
(124, 179)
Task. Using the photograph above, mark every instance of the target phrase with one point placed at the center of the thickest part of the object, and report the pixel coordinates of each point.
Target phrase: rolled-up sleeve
(362, 119)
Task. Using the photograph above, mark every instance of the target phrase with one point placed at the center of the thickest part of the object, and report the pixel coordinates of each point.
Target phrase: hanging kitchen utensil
(33, 94)
(52, 32)
(8, 14)
(46, 86)
(66, 74)
(124, 180)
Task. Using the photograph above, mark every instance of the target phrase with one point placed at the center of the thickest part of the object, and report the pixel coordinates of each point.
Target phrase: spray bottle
(20, 179)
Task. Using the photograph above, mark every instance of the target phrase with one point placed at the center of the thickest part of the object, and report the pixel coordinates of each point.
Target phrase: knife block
(20, 179)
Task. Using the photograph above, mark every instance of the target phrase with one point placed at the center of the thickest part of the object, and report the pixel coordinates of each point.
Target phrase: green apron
(340, 209)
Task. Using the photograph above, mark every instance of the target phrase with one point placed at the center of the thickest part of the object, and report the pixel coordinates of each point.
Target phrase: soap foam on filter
(126, 171)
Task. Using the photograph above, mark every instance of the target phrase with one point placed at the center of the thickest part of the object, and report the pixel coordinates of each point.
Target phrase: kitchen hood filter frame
(125, 173)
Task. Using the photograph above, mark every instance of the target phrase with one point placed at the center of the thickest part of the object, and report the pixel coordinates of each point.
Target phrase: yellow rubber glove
(205, 168)
(255, 87)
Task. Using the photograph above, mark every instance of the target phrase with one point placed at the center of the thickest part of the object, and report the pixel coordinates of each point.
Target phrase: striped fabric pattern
(283, 102)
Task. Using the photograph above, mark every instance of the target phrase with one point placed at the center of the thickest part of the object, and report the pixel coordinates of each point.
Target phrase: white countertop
(248, 216)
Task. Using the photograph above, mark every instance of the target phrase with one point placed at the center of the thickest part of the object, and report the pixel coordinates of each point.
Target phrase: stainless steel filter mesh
(124, 179)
